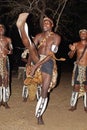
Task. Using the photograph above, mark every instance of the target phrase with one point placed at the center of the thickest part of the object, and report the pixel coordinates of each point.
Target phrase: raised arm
(72, 51)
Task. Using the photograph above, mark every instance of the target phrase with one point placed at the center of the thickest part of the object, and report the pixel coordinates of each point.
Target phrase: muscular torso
(45, 43)
(79, 48)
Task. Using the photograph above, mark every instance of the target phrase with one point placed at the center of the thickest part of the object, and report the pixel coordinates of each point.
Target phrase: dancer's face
(83, 35)
(47, 24)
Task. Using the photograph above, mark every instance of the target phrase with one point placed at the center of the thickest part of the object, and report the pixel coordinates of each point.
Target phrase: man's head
(47, 24)
(83, 34)
(48, 19)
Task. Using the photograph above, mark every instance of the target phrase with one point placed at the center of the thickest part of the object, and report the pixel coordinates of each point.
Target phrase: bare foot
(5, 104)
(21, 19)
(85, 109)
(73, 108)
(40, 120)
(24, 99)
(0, 103)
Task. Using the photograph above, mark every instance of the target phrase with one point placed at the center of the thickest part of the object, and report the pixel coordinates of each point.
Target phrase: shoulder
(37, 38)
(57, 38)
(57, 34)
(76, 44)
(38, 35)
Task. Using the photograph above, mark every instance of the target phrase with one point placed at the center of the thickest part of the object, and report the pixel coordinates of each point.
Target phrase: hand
(30, 70)
(33, 69)
(72, 47)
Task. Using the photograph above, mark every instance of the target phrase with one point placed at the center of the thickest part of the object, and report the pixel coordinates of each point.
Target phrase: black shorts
(47, 67)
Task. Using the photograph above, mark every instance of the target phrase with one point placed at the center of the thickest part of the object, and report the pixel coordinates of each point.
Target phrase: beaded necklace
(45, 39)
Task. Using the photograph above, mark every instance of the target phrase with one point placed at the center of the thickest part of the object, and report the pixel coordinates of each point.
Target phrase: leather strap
(82, 53)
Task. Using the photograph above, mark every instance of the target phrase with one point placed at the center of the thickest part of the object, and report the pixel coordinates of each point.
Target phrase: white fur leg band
(74, 98)
(85, 99)
(25, 92)
(38, 93)
(6, 94)
(0, 93)
(41, 106)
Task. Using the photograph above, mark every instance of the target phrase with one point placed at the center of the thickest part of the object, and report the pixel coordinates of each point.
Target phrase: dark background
(77, 20)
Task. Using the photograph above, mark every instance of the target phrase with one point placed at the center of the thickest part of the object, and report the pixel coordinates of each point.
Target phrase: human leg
(25, 93)
(5, 97)
(73, 101)
(38, 92)
(85, 101)
(32, 91)
(23, 31)
(43, 100)
(0, 95)
(1, 87)
(6, 90)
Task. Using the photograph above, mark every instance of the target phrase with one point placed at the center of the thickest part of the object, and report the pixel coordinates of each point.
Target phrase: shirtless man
(79, 77)
(5, 49)
(47, 44)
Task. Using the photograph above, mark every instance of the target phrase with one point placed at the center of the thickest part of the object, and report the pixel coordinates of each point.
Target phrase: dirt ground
(20, 116)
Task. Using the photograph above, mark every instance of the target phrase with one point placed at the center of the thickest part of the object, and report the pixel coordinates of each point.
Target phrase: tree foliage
(38, 8)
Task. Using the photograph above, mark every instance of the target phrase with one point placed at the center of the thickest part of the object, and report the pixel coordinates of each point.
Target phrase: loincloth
(37, 78)
(79, 77)
(4, 71)
(2, 67)
(32, 88)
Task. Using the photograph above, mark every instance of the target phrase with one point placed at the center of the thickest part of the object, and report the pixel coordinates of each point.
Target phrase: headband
(48, 19)
(82, 30)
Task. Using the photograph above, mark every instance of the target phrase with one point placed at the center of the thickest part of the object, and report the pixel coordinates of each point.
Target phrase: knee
(76, 88)
(44, 93)
(85, 87)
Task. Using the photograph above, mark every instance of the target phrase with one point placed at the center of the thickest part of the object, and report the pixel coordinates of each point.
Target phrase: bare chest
(46, 42)
(81, 48)
(3, 43)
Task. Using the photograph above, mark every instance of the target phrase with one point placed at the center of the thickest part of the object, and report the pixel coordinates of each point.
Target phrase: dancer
(79, 76)
(5, 49)
(41, 51)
